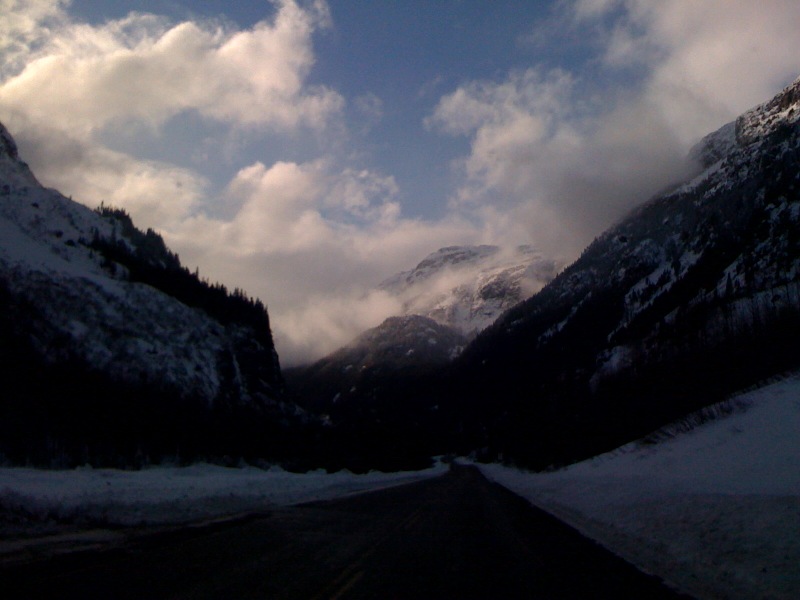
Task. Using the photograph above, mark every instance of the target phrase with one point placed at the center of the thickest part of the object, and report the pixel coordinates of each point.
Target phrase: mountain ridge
(468, 287)
(95, 306)
(692, 296)
(361, 371)
(451, 295)
(694, 293)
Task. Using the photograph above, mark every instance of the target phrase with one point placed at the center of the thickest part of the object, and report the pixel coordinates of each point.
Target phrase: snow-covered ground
(715, 511)
(58, 507)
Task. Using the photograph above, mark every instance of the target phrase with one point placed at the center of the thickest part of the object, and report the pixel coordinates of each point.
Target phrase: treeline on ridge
(152, 263)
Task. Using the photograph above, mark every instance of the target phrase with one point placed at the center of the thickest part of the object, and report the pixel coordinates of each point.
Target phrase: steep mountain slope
(102, 326)
(468, 287)
(368, 367)
(361, 392)
(693, 295)
(447, 298)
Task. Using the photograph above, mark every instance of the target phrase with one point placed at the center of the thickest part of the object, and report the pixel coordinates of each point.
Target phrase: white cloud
(157, 194)
(509, 123)
(309, 237)
(544, 165)
(24, 27)
(279, 212)
(708, 61)
(353, 193)
(71, 83)
(560, 156)
(313, 241)
(327, 322)
(291, 207)
(146, 69)
(522, 95)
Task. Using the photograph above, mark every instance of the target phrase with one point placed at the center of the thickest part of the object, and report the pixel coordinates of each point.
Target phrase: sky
(305, 150)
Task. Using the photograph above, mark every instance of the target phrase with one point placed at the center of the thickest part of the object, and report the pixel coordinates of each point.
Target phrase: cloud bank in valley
(555, 153)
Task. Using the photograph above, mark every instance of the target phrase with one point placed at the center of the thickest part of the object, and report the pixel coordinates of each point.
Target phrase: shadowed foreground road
(456, 536)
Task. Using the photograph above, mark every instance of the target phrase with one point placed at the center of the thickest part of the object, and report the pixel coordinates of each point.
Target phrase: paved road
(456, 536)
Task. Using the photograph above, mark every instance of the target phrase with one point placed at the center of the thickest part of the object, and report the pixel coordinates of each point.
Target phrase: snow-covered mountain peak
(753, 126)
(769, 117)
(453, 257)
(448, 258)
(13, 171)
(8, 147)
(468, 287)
(41, 229)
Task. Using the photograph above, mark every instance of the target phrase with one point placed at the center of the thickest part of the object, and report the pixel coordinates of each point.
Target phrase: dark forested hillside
(366, 371)
(146, 259)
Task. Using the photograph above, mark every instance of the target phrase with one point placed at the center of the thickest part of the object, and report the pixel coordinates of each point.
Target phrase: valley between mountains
(115, 355)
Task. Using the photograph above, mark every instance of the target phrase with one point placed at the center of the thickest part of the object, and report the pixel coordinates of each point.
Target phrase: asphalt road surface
(456, 536)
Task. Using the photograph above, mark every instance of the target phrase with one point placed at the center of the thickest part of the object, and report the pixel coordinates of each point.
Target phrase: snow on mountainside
(776, 114)
(666, 240)
(447, 298)
(753, 126)
(396, 348)
(714, 510)
(127, 329)
(715, 146)
(468, 287)
(697, 288)
(421, 339)
(83, 291)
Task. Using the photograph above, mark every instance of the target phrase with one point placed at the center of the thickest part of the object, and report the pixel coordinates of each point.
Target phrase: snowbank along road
(455, 536)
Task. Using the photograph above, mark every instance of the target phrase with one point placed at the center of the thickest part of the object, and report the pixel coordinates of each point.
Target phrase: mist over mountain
(691, 297)
(468, 287)
(444, 301)
(694, 295)
(117, 354)
(376, 361)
